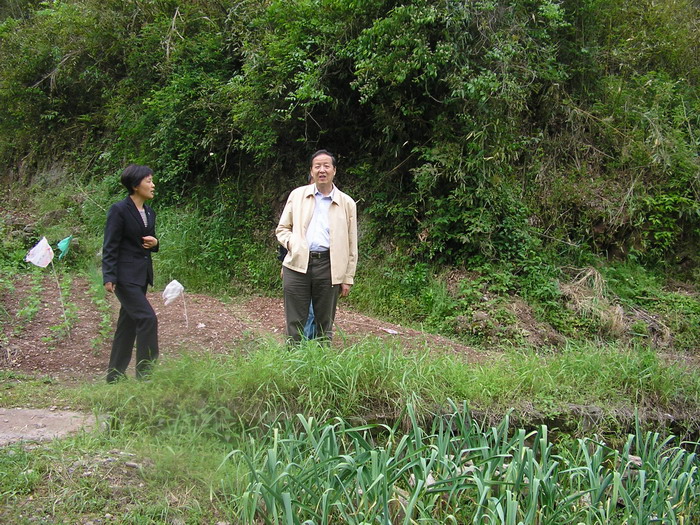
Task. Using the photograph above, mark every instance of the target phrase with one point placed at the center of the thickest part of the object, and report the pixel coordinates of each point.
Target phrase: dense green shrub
(471, 133)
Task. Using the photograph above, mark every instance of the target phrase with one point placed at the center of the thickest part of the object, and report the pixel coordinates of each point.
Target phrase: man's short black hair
(133, 174)
(322, 152)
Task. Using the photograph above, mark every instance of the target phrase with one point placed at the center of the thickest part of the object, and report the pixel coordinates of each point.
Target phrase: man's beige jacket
(342, 220)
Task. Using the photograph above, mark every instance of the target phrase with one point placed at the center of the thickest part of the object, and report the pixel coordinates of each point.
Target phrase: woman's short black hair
(133, 174)
(322, 152)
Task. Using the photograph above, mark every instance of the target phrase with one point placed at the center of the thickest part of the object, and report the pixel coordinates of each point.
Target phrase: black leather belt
(319, 255)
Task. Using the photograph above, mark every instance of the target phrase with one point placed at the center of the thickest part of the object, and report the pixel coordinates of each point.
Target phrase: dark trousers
(137, 322)
(313, 287)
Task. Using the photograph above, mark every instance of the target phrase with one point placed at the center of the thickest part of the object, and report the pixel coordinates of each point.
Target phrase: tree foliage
(466, 130)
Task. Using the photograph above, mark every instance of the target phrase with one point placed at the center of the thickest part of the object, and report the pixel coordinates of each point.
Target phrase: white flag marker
(41, 255)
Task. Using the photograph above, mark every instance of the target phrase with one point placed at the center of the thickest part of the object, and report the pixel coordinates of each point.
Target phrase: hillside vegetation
(528, 184)
(532, 149)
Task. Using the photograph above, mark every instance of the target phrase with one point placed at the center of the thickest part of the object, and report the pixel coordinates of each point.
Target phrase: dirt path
(29, 344)
(38, 424)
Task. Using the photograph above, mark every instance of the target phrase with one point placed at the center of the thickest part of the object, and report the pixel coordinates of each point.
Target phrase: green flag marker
(64, 245)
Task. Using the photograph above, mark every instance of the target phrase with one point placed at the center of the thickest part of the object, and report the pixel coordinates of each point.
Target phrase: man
(318, 227)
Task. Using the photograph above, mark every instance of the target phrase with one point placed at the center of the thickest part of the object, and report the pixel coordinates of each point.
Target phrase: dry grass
(587, 295)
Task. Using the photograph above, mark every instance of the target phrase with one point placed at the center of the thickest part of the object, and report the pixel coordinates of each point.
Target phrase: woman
(127, 270)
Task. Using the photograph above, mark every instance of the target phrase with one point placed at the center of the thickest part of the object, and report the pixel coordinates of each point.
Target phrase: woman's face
(146, 188)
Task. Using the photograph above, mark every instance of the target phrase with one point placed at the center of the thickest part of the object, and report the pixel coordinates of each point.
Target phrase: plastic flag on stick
(41, 255)
(172, 292)
(64, 246)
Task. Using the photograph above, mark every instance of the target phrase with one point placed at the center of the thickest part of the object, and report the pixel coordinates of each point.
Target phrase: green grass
(97, 295)
(604, 374)
(356, 434)
(211, 250)
(212, 245)
(18, 389)
(31, 303)
(373, 381)
(673, 312)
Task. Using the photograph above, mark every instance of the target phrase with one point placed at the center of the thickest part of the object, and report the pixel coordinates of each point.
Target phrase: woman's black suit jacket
(124, 259)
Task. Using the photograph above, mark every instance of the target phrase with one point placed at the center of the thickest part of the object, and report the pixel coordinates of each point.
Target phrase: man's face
(322, 169)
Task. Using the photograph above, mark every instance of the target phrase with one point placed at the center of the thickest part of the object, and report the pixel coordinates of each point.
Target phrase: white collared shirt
(318, 234)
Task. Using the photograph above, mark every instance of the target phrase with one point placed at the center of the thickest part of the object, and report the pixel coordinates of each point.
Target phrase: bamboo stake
(60, 296)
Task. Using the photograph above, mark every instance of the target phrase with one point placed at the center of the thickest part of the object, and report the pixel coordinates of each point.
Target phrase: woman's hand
(149, 242)
(109, 287)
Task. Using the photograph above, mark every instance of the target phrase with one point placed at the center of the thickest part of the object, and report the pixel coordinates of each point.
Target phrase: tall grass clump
(187, 240)
(611, 377)
(371, 381)
(365, 381)
(404, 291)
(455, 471)
(215, 248)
